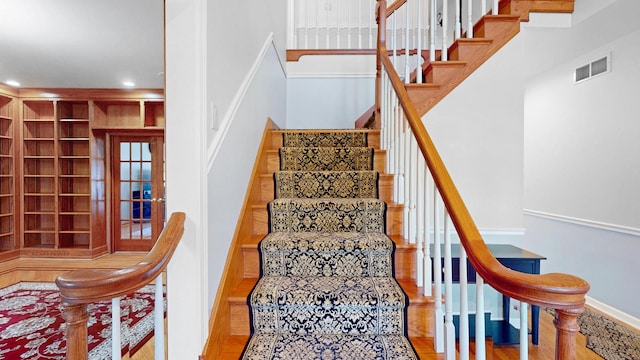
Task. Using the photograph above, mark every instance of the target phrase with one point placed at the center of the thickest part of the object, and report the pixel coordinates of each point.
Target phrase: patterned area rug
(606, 338)
(32, 327)
(327, 289)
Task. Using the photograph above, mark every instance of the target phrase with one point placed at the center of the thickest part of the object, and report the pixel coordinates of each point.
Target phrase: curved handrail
(563, 292)
(81, 287)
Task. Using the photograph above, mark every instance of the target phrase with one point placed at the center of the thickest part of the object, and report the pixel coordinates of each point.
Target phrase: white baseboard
(614, 313)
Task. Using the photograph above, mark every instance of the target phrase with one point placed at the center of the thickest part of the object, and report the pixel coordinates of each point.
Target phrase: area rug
(32, 327)
(606, 338)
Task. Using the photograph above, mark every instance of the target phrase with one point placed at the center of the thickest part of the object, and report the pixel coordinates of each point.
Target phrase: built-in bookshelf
(53, 166)
(74, 175)
(7, 174)
(39, 174)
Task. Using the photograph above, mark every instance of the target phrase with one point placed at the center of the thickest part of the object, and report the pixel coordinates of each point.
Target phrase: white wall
(481, 142)
(212, 81)
(329, 92)
(582, 154)
(185, 141)
(232, 162)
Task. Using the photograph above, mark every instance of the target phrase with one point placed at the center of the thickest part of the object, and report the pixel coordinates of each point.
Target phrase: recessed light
(12, 83)
(128, 83)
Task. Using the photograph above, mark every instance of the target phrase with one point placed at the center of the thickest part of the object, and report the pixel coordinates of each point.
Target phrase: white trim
(219, 136)
(616, 314)
(584, 222)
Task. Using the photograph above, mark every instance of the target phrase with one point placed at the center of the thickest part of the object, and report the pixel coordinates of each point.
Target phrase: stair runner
(327, 289)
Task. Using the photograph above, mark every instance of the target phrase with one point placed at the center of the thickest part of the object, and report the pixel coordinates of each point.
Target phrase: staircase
(367, 187)
(232, 320)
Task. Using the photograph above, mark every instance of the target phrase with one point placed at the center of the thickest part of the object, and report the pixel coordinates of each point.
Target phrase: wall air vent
(592, 69)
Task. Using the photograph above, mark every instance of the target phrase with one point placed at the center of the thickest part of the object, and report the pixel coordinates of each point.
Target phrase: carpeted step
(326, 184)
(324, 139)
(301, 347)
(327, 215)
(328, 305)
(327, 254)
(326, 158)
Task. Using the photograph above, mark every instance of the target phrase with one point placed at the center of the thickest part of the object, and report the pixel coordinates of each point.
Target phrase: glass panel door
(138, 196)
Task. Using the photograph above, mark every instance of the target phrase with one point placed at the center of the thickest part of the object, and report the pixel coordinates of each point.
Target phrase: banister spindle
(524, 331)
(427, 264)
(481, 351)
(116, 338)
(495, 9)
(420, 231)
(419, 43)
(437, 276)
(338, 32)
(406, 28)
(449, 328)
(406, 169)
(458, 29)
(158, 319)
(445, 14)
(464, 307)
(432, 30)
(413, 216)
(470, 19)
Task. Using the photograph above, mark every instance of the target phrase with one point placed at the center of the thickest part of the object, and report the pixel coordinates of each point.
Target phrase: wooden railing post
(567, 327)
(382, 31)
(75, 316)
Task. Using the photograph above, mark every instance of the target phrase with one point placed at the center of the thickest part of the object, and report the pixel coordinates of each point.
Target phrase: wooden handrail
(563, 292)
(81, 287)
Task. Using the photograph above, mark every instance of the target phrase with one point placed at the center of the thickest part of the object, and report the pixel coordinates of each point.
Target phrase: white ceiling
(82, 43)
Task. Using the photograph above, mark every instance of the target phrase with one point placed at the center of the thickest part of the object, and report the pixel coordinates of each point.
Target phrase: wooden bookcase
(39, 223)
(74, 175)
(7, 175)
(54, 181)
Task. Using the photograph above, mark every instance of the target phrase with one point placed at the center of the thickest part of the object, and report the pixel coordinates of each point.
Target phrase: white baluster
(327, 6)
(338, 25)
(495, 8)
(428, 270)
(317, 26)
(407, 72)
(458, 29)
(484, 7)
(480, 330)
(394, 48)
(449, 328)
(116, 341)
(306, 24)
(359, 24)
(419, 45)
(445, 14)
(292, 40)
(158, 320)
(420, 210)
(348, 24)
(413, 168)
(406, 164)
(524, 331)
(400, 156)
(470, 19)
(464, 307)
(371, 12)
(432, 33)
(437, 276)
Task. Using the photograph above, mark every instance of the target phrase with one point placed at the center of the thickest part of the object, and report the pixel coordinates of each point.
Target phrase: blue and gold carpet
(327, 289)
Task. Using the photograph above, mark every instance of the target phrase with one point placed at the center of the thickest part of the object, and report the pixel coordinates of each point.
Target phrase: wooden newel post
(567, 327)
(382, 32)
(76, 316)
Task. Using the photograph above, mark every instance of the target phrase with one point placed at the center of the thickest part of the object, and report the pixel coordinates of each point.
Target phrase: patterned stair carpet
(327, 289)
